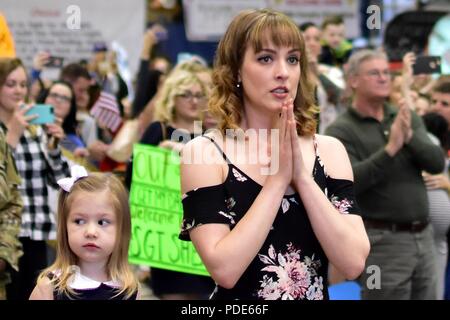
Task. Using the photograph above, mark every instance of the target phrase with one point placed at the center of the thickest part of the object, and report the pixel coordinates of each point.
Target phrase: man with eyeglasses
(389, 148)
(440, 99)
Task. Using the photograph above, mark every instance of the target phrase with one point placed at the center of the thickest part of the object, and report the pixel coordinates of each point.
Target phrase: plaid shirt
(39, 168)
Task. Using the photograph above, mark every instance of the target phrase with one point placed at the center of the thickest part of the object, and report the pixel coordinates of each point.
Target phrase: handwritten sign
(156, 213)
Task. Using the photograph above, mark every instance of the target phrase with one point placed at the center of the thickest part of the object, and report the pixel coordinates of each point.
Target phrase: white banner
(69, 28)
(207, 20)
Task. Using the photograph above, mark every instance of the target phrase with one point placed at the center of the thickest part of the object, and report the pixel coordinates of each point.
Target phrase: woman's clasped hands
(288, 167)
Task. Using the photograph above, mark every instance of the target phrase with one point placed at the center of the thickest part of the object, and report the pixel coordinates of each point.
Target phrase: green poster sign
(156, 213)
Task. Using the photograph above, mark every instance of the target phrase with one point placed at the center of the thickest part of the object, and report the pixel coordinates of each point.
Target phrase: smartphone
(55, 62)
(45, 114)
(427, 65)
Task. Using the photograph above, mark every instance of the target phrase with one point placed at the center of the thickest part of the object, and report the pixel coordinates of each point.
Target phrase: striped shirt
(439, 202)
(106, 111)
(39, 168)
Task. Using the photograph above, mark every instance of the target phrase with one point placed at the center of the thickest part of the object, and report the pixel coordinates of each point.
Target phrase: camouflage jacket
(10, 210)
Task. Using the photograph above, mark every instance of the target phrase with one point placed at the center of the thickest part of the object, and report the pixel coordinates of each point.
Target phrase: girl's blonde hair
(174, 85)
(117, 267)
(255, 28)
(192, 65)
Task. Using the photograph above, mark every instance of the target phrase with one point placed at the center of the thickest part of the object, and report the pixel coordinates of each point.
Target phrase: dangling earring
(238, 85)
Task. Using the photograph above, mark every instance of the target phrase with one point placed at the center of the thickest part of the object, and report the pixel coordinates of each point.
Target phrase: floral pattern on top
(342, 205)
(186, 226)
(229, 216)
(295, 279)
(285, 205)
(239, 177)
(230, 203)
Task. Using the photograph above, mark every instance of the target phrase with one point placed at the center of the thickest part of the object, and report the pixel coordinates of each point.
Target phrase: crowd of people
(352, 169)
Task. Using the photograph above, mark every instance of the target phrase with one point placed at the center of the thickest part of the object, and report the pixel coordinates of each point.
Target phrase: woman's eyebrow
(275, 51)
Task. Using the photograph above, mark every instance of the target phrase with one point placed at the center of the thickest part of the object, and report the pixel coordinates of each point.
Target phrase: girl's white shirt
(81, 282)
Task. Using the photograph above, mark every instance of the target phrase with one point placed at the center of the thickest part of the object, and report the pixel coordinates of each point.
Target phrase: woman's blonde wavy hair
(62, 270)
(175, 84)
(255, 28)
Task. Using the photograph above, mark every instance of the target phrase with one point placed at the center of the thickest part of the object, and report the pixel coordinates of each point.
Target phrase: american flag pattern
(106, 111)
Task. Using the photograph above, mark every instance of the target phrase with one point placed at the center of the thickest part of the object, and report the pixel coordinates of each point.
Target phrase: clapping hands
(401, 131)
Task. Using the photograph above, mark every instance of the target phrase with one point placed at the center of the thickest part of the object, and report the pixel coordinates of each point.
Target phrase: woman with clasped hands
(267, 229)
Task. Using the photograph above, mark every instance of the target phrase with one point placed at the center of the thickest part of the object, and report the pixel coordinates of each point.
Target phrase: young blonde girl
(94, 228)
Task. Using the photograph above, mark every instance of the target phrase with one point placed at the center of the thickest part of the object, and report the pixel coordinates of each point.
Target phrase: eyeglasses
(378, 73)
(59, 97)
(444, 103)
(188, 95)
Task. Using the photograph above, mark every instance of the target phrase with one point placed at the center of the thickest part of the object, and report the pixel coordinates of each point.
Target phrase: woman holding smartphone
(39, 163)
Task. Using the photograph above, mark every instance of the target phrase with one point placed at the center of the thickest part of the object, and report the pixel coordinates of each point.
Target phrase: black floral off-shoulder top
(291, 264)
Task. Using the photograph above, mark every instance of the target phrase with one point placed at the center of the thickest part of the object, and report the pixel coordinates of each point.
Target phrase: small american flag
(106, 111)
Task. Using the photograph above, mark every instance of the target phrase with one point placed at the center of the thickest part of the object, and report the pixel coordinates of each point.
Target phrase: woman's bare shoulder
(202, 163)
(328, 141)
(334, 156)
